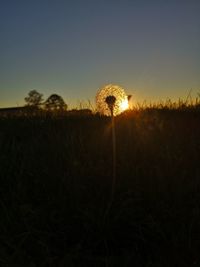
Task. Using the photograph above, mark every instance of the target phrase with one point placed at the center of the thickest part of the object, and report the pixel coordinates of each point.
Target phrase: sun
(124, 105)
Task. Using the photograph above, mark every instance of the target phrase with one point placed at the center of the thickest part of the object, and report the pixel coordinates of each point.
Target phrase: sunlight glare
(124, 105)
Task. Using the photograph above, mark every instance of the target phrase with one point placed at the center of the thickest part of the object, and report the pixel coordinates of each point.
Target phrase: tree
(34, 99)
(55, 102)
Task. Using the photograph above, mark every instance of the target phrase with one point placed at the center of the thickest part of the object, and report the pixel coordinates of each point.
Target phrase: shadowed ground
(56, 175)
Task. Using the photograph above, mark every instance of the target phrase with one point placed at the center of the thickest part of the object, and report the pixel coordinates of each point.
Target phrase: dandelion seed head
(121, 103)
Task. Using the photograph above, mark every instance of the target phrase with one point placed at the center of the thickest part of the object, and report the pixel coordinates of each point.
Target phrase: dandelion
(106, 95)
(111, 100)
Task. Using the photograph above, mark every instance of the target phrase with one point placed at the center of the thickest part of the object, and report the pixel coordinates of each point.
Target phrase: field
(56, 177)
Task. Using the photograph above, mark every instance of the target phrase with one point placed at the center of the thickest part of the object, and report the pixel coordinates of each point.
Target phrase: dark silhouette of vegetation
(56, 174)
(129, 97)
(13, 111)
(55, 103)
(80, 112)
(34, 99)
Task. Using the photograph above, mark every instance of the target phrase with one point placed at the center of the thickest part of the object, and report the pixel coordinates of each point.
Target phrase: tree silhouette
(55, 102)
(34, 99)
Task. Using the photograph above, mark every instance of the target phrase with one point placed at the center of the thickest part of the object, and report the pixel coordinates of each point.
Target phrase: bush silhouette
(34, 99)
(54, 103)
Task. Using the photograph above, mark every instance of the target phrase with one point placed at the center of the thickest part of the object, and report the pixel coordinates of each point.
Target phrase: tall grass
(56, 173)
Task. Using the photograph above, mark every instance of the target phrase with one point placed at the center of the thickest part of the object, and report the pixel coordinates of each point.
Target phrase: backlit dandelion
(121, 100)
(111, 100)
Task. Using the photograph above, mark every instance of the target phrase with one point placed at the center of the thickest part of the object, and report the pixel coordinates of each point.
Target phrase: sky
(74, 47)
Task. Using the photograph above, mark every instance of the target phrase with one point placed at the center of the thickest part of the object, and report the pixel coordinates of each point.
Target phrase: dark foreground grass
(56, 175)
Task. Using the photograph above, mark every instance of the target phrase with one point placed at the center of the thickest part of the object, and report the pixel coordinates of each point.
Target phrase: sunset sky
(73, 47)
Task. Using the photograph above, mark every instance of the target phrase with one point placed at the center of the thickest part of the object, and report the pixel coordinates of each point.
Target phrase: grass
(56, 175)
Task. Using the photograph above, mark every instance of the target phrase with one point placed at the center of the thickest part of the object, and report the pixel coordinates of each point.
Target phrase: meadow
(56, 176)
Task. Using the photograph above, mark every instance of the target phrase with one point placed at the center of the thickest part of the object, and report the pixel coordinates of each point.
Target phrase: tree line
(53, 103)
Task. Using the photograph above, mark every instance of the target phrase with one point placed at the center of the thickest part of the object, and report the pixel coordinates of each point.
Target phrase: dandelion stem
(112, 193)
(113, 158)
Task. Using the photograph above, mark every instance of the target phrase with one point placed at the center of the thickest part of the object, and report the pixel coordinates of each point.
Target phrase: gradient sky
(73, 47)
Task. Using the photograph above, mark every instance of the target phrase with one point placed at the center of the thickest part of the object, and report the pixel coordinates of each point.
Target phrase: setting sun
(124, 105)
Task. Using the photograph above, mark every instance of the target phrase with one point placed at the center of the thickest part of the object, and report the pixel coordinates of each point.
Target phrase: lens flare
(121, 103)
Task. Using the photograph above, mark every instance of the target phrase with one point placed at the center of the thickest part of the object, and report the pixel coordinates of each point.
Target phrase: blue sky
(151, 48)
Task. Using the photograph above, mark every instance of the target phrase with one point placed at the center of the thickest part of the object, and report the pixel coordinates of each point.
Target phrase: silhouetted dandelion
(121, 100)
(111, 100)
